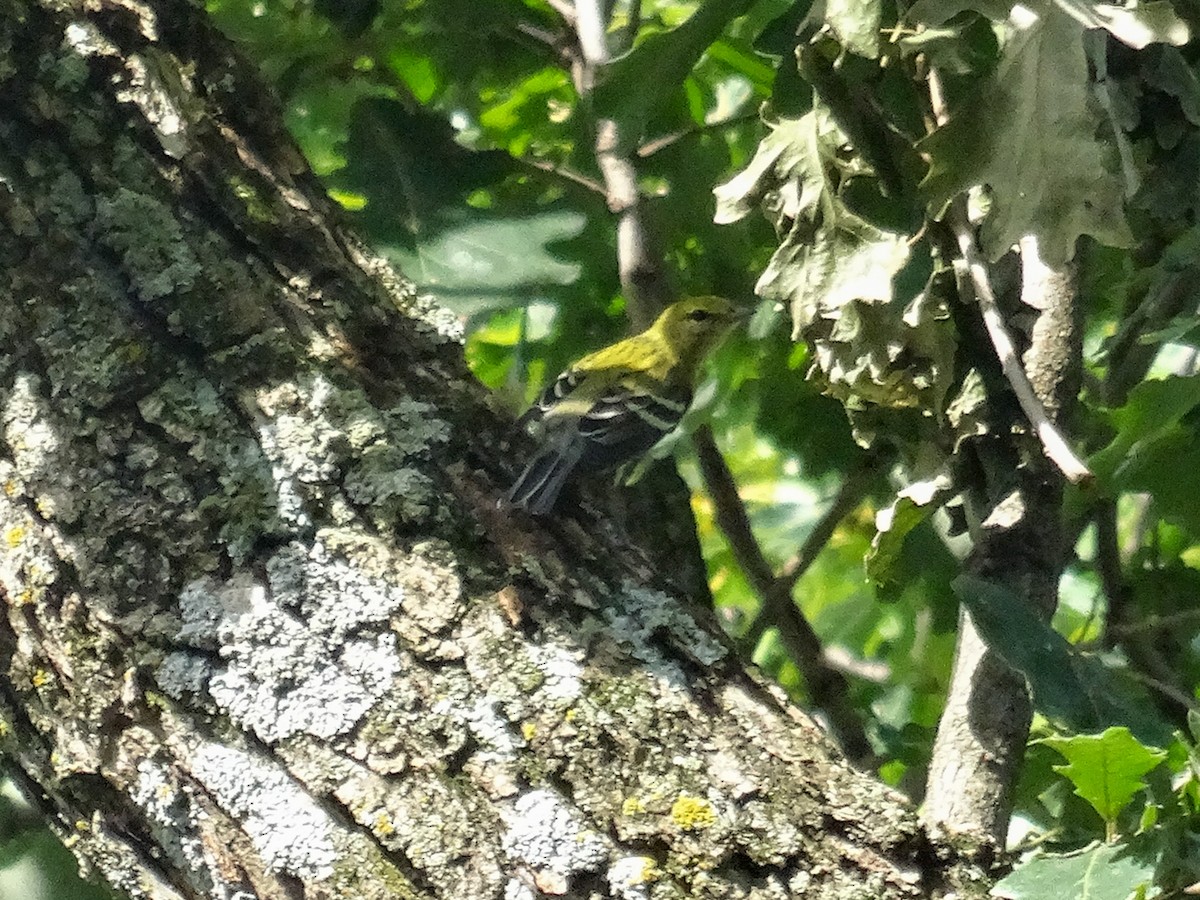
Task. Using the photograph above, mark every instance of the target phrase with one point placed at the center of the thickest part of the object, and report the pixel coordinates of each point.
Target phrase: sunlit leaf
(1153, 409)
(892, 524)
(1031, 138)
(1106, 769)
(1097, 872)
(634, 86)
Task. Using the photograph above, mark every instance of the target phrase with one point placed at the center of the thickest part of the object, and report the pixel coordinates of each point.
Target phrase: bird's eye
(699, 315)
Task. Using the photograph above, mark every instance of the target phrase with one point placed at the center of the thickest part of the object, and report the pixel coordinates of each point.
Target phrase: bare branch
(827, 686)
(593, 37)
(661, 143)
(566, 174)
(643, 278)
(1146, 661)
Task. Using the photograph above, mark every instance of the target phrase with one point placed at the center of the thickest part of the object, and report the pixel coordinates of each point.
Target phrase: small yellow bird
(617, 403)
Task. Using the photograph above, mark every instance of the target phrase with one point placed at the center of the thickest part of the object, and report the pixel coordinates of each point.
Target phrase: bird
(618, 402)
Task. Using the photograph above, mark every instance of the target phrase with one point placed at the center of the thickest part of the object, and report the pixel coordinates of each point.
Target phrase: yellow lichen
(571, 714)
(10, 487)
(632, 806)
(24, 597)
(41, 678)
(650, 872)
(383, 825)
(528, 730)
(692, 813)
(14, 535)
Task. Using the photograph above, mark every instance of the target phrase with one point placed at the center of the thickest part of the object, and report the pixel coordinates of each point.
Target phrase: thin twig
(850, 494)
(1155, 623)
(1108, 563)
(828, 688)
(565, 174)
(593, 35)
(1055, 446)
(661, 143)
(1169, 691)
(628, 33)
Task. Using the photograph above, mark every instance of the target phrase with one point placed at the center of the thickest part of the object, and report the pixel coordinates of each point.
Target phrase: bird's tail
(538, 487)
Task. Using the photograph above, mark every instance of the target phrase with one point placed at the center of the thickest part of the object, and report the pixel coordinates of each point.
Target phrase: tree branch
(828, 688)
(1055, 446)
(1018, 544)
(649, 148)
(643, 277)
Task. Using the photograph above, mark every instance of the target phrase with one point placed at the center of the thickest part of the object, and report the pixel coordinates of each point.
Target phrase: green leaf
(1097, 872)
(912, 506)
(633, 87)
(476, 264)
(836, 272)
(1171, 74)
(848, 259)
(1106, 769)
(1137, 25)
(1151, 413)
(1031, 138)
(960, 48)
(1031, 647)
(417, 183)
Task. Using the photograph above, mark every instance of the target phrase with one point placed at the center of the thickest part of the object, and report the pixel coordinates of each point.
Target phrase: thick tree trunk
(269, 633)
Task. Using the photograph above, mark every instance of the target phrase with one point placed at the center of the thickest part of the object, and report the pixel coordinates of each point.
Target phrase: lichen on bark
(268, 632)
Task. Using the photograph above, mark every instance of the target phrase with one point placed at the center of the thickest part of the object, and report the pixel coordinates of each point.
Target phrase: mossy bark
(268, 632)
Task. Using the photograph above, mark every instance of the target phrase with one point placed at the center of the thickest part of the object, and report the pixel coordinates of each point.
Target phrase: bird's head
(694, 325)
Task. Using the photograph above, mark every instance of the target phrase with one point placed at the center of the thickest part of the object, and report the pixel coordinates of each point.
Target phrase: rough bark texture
(268, 632)
(981, 736)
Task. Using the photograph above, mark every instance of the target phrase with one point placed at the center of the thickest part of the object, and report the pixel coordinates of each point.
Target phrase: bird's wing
(628, 420)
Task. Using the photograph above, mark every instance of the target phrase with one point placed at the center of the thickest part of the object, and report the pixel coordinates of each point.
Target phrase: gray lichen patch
(645, 613)
(168, 809)
(146, 234)
(546, 835)
(441, 827)
(330, 447)
(286, 826)
(307, 651)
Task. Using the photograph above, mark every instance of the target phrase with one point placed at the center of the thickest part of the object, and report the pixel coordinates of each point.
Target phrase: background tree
(546, 170)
